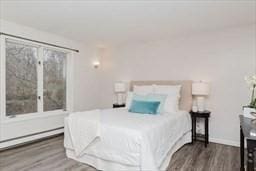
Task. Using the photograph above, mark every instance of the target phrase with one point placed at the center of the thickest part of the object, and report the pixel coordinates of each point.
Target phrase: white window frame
(40, 112)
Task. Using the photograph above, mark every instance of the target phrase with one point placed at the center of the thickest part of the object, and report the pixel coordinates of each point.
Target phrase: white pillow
(167, 89)
(171, 104)
(173, 96)
(143, 90)
(129, 97)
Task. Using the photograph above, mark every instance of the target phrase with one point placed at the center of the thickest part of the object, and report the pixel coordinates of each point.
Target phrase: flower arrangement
(251, 81)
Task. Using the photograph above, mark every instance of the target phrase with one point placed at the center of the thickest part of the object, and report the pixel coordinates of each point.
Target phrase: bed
(119, 140)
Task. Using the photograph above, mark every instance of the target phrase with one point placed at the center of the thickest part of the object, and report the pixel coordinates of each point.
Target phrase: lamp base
(200, 104)
(119, 98)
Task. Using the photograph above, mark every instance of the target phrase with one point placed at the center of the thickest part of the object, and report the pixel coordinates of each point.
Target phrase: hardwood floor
(215, 157)
(49, 155)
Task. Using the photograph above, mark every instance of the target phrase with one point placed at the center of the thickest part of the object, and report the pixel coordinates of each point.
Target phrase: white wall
(222, 57)
(85, 81)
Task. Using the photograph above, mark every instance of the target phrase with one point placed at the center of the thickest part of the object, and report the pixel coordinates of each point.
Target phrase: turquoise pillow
(152, 97)
(158, 97)
(145, 107)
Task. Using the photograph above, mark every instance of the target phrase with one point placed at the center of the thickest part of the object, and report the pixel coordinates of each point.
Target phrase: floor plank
(49, 155)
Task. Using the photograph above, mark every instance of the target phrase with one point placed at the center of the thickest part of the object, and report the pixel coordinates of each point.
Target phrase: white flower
(250, 80)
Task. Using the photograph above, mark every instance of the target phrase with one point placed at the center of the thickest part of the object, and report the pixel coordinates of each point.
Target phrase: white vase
(247, 112)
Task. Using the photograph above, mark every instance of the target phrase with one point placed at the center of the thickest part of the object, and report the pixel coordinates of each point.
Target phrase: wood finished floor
(49, 155)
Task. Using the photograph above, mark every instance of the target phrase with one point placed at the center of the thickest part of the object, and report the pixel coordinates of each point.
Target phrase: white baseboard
(225, 142)
(15, 142)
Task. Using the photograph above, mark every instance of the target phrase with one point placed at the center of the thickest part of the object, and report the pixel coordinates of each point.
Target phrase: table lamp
(200, 90)
(119, 89)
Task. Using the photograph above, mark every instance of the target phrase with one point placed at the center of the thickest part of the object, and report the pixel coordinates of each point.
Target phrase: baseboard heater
(17, 141)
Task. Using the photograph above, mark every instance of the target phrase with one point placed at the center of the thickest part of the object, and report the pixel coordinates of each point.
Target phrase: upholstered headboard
(186, 90)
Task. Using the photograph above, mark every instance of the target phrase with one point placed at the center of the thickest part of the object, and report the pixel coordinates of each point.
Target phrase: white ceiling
(122, 21)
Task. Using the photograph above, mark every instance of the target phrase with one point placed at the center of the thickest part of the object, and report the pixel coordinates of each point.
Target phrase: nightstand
(195, 136)
(118, 105)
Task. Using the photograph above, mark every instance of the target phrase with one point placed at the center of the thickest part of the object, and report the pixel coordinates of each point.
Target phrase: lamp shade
(120, 87)
(200, 88)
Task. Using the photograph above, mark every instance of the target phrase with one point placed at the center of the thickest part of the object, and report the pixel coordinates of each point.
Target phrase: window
(21, 78)
(54, 80)
(35, 78)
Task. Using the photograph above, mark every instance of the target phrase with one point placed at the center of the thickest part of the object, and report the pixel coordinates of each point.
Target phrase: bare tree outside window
(21, 78)
(54, 80)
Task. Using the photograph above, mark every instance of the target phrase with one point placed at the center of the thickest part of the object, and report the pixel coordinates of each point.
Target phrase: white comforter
(129, 138)
(84, 129)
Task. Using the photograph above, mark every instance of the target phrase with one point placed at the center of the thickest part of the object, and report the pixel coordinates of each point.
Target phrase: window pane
(21, 78)
(54, 80)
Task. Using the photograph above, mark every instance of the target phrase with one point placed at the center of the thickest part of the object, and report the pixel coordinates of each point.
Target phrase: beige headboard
(186, 90)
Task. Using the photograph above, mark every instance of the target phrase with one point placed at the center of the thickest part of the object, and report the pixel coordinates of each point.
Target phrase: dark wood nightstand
(247, 133)
(118, 105)
(196, 136)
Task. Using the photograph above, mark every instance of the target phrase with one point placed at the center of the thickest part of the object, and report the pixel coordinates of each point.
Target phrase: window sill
(32, 116)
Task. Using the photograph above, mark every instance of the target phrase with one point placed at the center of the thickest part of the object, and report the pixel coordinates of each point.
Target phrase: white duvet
(128, 138)
(84, 129)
